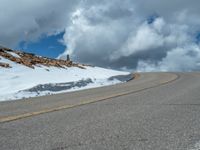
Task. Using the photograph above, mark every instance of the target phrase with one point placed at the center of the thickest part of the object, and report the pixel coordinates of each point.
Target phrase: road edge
(86, 102)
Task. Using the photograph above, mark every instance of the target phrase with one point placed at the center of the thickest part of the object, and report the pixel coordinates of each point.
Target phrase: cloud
(147, 37)
(27, 20)
(139, 35)
(178, 59)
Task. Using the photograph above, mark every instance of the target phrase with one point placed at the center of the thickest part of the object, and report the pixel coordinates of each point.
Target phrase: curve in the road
(85, 102)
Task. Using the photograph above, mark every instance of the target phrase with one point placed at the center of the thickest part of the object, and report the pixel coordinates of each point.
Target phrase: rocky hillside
(24, 75)
(32, 60)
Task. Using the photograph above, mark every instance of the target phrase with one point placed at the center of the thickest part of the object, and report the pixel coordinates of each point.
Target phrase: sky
(135, 35)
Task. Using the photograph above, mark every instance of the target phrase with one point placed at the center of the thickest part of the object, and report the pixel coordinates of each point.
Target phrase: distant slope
(32, 60)
(24, 75)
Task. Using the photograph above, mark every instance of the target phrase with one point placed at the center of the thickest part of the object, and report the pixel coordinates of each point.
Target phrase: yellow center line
(48, 110)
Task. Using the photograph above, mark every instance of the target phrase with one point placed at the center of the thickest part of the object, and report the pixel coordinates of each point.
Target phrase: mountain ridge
(31, 60)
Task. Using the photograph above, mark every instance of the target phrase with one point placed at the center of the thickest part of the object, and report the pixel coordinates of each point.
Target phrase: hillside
(32, 60)
(24, 75)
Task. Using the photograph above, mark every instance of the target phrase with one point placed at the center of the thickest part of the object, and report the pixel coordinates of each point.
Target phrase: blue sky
(135, 35)
(48, 46)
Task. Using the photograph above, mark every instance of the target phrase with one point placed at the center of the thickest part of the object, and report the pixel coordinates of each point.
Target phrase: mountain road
(155, 111)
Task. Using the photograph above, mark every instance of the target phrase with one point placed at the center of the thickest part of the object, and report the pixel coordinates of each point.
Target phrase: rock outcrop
(5, 65)
(32, 60)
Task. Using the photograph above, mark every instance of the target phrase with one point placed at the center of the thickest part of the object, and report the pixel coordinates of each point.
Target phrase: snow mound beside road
(21, 81)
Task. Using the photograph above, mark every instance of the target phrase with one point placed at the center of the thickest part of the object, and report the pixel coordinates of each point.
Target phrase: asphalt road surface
(155, 111)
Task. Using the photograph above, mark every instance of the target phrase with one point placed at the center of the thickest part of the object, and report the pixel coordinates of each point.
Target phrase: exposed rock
(5, 65)
(31, 60)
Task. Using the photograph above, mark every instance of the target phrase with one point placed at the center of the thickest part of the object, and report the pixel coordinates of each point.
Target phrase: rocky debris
(5, 65)
(31, 60)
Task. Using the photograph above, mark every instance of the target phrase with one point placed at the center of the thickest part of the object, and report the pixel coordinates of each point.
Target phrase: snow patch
(16, 82)
(13, 54)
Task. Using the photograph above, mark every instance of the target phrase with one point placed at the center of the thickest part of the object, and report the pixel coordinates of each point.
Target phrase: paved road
(157, 111)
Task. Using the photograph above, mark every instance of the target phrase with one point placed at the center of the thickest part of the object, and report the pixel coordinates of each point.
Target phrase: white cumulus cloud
(139, 35)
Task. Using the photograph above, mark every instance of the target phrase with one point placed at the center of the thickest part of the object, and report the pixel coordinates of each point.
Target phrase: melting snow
(15, 81)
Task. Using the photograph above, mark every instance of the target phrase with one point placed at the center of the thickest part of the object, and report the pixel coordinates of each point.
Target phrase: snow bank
(15, 82)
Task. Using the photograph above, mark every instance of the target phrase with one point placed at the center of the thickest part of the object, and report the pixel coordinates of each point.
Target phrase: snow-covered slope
(21, 81)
